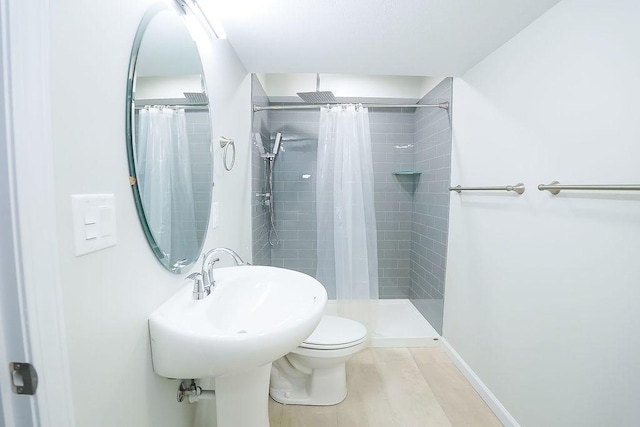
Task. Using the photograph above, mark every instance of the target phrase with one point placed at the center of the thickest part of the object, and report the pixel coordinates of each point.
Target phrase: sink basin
(253, 316)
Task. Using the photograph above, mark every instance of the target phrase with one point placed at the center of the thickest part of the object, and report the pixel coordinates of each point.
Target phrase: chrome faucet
(204, 282)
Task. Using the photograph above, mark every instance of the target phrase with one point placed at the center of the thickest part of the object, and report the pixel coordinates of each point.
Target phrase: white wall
(281, 87)
(542, 291)
(156, 87)
(229, 88)
(109, 294)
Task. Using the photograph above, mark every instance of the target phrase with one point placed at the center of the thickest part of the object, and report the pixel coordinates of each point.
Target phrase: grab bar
(554, 187)
(518, 188)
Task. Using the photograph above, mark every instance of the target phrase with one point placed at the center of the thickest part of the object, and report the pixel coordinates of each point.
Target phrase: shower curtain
(347, 238)
(163, 168)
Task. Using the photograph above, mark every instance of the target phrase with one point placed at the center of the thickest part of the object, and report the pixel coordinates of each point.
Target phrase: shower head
(276, 145)
(196, 97)
(324, 97)
(318, 97)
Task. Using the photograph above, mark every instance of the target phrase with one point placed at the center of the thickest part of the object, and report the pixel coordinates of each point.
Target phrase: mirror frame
(130, 108)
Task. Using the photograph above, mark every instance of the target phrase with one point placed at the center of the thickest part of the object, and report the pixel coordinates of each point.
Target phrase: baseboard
(489, 398)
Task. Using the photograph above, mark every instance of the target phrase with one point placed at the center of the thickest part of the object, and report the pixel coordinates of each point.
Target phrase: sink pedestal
(243, 399)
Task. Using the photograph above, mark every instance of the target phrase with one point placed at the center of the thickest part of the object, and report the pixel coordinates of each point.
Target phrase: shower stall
(411, 149)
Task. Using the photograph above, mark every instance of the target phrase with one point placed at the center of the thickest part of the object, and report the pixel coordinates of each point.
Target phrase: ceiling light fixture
(191, 7)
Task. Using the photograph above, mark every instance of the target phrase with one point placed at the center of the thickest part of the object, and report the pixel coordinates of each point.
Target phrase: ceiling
(377, 37)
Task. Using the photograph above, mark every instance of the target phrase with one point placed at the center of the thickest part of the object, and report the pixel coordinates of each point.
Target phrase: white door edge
(14, 409)
(25, 40)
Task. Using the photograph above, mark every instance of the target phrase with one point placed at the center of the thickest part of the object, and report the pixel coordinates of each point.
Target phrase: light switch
(90, 215)
(94, 222)
(90, 231)
(106, 222)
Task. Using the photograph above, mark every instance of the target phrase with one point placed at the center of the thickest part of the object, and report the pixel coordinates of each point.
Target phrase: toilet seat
(334, 333)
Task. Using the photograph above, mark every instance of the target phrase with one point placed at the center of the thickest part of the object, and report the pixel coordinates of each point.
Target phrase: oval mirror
(169, 138)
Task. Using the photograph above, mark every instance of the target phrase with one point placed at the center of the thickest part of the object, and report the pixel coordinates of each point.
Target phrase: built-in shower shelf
(406, 173)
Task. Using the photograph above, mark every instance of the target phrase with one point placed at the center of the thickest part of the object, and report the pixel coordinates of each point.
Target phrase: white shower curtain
(347, 238)
(163, 168)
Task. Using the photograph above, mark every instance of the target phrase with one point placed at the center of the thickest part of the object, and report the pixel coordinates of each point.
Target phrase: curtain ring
(225, 143)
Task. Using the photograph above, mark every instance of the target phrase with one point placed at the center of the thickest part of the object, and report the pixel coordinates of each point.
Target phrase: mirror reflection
(169, 139)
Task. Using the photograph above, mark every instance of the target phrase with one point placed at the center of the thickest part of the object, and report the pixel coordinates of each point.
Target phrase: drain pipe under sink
(194, 392)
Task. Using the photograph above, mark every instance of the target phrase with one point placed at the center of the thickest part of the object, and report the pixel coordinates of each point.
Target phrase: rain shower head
(196, 97)
(324, 97)
(318, 97)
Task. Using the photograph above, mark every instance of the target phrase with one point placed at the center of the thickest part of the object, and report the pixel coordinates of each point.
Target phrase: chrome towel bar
(518, 188)
(554, 187)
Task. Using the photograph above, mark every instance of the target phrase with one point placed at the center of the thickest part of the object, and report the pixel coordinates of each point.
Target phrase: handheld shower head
(276, 145)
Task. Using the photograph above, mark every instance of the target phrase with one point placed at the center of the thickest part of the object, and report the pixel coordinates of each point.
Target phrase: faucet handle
(199, 290)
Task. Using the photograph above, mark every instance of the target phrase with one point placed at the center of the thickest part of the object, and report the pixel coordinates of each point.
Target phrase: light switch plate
(94, 222)
(215, 215)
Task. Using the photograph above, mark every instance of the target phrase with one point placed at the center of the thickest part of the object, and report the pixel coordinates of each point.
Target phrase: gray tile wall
(392, 138)
(261, 251)
(294, 195)
(430, 222)
(411, 211)
(392, 132)
(199, 134)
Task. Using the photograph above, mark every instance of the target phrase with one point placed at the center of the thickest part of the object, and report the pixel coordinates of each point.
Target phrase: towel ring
(226, 143)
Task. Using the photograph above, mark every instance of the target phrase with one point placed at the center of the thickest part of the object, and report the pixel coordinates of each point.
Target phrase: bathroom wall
(392, 138)
(542, 291)
(259, 213)
(411, 212)
(430, 220)
(294, 178)
(370, 88)
(199, 131)
(108, 295)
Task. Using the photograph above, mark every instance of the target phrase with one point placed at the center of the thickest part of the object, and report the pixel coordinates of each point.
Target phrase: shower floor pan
(398, 324)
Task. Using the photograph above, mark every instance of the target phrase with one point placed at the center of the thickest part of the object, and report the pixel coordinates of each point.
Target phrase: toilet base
(320, 387)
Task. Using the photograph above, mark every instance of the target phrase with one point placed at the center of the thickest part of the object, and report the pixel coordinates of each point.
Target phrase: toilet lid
(335, 332)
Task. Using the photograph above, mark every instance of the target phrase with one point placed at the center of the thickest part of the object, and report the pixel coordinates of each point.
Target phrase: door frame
(32, 285)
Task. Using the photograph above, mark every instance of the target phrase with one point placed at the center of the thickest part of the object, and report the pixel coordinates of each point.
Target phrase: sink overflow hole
(242, 331)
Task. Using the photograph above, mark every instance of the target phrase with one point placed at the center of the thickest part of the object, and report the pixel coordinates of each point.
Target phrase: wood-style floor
(396, 387)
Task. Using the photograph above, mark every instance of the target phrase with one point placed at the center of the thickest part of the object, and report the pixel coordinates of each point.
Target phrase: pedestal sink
(253, 316)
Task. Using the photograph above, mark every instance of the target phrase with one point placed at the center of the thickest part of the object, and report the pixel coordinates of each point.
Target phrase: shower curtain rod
(186, 106)
(444, 105)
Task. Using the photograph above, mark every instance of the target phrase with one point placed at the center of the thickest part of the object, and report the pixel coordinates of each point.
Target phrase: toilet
(314, 373)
